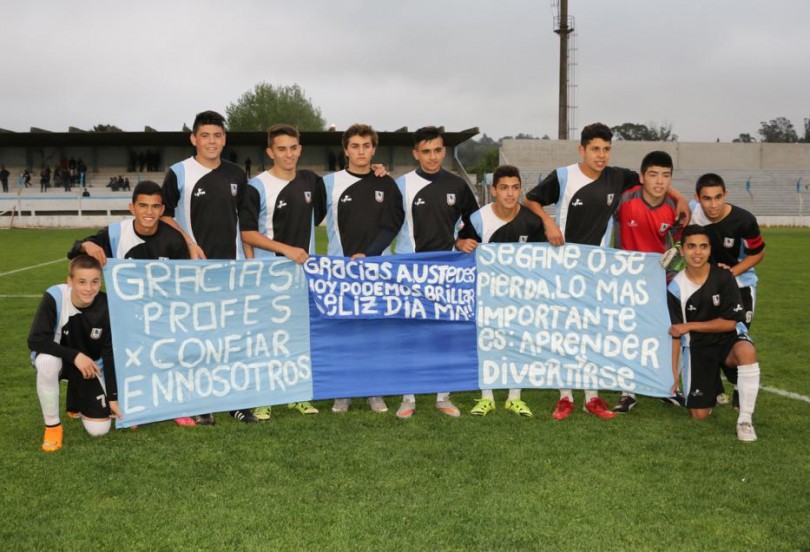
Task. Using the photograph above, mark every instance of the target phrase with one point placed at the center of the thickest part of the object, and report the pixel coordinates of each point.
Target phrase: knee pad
(96, 428)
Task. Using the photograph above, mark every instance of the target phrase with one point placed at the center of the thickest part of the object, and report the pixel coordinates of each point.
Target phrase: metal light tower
(563, 26)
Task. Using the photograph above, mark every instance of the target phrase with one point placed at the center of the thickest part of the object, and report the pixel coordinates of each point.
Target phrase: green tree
(744, 138)
(651, 132)
(486, 164)
(778, 130)
(106, 128)
(266, 105)
(470, 152)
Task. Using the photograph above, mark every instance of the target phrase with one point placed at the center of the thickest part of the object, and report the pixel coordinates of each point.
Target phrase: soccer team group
(207, 209)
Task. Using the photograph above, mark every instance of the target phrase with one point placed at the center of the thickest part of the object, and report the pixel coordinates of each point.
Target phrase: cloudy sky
(711, 68)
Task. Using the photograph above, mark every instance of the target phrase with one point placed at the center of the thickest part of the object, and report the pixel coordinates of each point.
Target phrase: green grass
(650, 480)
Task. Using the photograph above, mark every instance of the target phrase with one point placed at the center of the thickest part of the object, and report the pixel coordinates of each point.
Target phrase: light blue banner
(572, 317)
(192, 337)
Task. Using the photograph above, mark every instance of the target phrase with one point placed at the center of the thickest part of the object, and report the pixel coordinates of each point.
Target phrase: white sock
(442, 397)
(514, 395)
(48, 368)
(409, 398)
(96, 428)
(625, 394)
(567, 394)
(591, 394)
(748, 388)
(487, 394)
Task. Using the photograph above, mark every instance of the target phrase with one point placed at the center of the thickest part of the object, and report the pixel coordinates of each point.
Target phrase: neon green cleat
(483, 407)
(303, 407)
(262, 413)
(519, 407)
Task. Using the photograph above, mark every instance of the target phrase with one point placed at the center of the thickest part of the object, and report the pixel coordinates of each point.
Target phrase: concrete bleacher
(773, 172)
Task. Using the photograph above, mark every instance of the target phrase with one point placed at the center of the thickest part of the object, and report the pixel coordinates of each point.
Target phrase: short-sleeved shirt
(732, 239)
(718, 297)
(484, 226)
(358, 209)
(585, 206)
(644, 227)
(63, 330)
(434, 205)
(206, 203)
(285, 211)
(120, 241)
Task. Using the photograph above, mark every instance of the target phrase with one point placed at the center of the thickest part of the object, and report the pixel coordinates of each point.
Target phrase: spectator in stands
(247, 167)
(44, 178)
(4, 177)
(26, 178)
(65, 176)
(82, 170)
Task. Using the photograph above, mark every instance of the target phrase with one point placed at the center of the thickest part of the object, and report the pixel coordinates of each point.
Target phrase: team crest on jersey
(379, 195)
(664, 227)
(451, 199)
(95, 333)
(610, 199)
(308, 197)
(234, 188)
(716, 300)
(728, 242)
(523, 239)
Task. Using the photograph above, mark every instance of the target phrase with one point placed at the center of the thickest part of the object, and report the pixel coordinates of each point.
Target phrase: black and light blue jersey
(434, 205)
(120, 241)
(585, 206)
(206, 204)
(285, 211)
(363, 213)
(484, 226)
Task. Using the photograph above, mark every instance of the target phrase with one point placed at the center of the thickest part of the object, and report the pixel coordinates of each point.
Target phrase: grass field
(650, 480)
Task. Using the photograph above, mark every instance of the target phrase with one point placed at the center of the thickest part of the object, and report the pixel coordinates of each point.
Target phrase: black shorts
(87, 395)
(701, 372)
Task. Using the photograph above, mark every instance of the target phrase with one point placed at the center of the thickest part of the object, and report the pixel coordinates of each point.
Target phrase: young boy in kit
(707, 316)
(70, 339)
(504, 220)
(646, 220)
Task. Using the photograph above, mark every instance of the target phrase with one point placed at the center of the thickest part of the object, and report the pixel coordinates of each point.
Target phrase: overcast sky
(711, 68)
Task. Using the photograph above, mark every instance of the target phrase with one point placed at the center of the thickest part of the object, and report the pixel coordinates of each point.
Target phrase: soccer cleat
(52, 441)
(723, 400)
(675, 400)
(262, 413)
(204, 420)
(563, 409)
(377, 405)
(745, 432)
(519, 407)
(341, 406)
(625, 404)
(74, 414)
(447, 407)
(244, 416)
(599, 408)
(406, 410)
(185, 421)
(483, 407)
(735, 400)
(304, 407)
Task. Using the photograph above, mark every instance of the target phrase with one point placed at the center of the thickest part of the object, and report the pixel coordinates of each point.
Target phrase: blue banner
(192, 337)
(572, 317)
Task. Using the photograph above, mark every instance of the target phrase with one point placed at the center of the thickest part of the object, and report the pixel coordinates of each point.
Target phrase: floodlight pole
(563, 30)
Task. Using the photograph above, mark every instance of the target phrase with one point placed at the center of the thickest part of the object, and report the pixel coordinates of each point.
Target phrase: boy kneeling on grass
(708, 330)
(70, 339)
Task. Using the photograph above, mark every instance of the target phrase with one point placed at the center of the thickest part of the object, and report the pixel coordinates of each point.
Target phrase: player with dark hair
(143, 237)
(504, 220)
(434, 202)
(646, 220)
(363, 213)
(736, 243)
(204, 193)
(70, 339)
(707, 317)
(586, 195)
